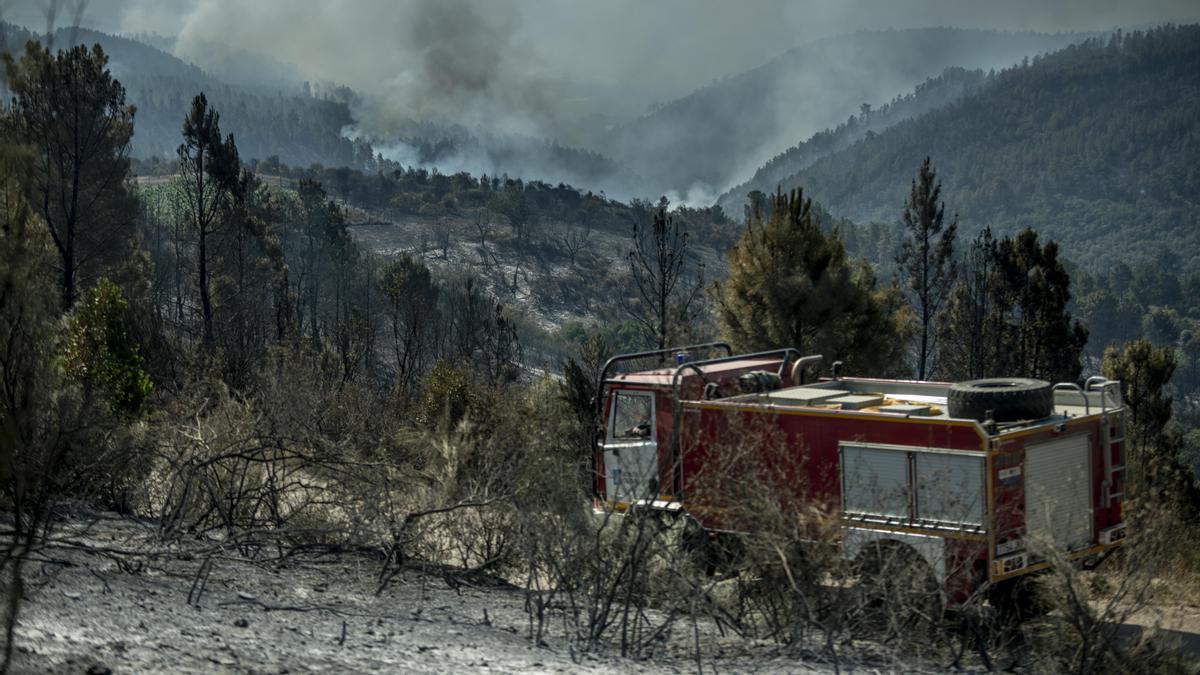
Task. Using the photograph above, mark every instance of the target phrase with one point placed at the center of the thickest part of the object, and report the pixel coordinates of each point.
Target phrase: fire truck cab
(966, 475)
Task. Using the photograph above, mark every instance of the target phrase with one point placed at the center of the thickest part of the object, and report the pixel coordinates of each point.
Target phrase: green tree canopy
(70, 110)
(1008, 315)
(791, 284)
(99, 353)
(1154, 451)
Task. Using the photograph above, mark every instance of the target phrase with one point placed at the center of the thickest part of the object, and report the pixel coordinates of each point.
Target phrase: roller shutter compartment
(1058, 491)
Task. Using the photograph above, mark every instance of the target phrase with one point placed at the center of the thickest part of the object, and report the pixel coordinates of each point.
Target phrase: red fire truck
(964, 475)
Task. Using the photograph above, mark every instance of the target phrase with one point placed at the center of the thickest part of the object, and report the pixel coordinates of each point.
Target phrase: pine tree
(790, 284)
(1144, 372)
(209, 169)
(667, 278)
(967, 343)
(1155, 468)
(247, 265)
(926, 257)
(1007, 315)
(71, 111)
(411, 311)
(1048, 340)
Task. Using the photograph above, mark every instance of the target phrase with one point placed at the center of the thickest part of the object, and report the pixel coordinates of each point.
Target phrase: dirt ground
(92, 607)
(1180, 624)
(318, 613)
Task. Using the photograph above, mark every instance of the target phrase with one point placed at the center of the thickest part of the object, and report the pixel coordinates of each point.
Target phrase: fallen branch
(285, 608)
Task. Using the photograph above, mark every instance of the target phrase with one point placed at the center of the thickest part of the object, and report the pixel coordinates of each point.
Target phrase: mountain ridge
(715, 136)
(304, 124)
(1082, 144)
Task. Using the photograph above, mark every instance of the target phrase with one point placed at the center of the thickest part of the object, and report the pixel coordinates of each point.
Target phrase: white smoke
(697, 196)
(561, 69)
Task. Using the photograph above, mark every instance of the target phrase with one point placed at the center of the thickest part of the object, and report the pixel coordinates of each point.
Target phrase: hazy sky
(568, 70)
(670, 45)
(540, 67)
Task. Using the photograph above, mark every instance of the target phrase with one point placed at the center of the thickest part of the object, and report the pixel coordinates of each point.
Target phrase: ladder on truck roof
(1112, 437)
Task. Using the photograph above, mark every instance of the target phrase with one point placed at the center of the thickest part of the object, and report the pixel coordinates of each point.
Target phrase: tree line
(301, 125)
(1094, 145)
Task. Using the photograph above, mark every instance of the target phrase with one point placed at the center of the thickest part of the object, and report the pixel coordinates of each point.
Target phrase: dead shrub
(620, 581)
(1092, 627)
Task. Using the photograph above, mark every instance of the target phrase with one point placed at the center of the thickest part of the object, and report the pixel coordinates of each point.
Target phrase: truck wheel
(1019, 600)
(710, 551)
(698, 545)
(897, 590)
(1008, 399)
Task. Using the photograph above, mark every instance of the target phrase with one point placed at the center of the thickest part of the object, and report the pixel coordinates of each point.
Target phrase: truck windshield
(632, 416)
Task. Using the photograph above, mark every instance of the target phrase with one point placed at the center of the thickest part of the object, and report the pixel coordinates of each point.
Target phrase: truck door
(630, 448)
(1058, 491)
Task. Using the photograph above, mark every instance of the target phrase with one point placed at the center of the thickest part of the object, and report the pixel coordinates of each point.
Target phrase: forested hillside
(935, 92)
(555, 254)
(295, 125)
(715, 136)
(1096, 145)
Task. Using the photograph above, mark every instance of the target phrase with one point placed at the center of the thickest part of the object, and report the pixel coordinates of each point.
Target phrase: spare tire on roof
(1007, 398)
(759, 382)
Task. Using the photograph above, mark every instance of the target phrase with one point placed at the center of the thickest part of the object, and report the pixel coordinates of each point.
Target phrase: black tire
(711, 552)
(697, 543)
(1008, 398)
(897, 590)
(759, 382)
(1019, 600)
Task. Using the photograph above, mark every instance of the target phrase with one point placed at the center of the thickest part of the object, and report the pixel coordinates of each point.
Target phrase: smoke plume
(568, 70)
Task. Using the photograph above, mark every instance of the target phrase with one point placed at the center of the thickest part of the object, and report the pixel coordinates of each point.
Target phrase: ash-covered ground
(105, 597)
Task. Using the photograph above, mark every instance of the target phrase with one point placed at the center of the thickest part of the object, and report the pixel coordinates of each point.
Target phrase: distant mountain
(936, 92)
(1096, 145)
(303, 125)
(293, 124)
(715, 137)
